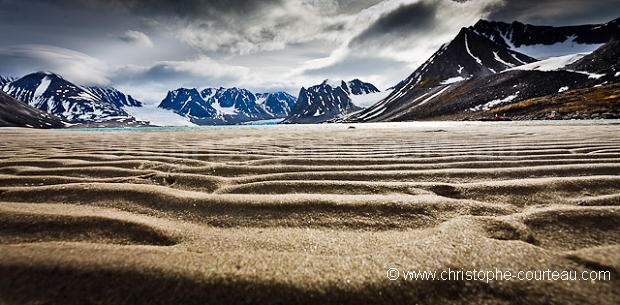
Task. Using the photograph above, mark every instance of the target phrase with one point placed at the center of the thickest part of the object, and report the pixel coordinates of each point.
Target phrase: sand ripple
(307, 214)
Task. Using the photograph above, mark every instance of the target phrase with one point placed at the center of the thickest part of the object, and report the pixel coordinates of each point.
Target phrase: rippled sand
(308, 214)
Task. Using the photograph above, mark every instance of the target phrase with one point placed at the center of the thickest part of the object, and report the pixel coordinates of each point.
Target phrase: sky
(147, 47)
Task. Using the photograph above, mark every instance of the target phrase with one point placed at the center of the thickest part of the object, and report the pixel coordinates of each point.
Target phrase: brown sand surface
(311, 214)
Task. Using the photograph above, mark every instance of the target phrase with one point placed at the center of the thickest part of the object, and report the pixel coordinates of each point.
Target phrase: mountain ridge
(328, 101)
(14, 113)
(54, 94)
(517, 34)
(443, 77)
(227, 106)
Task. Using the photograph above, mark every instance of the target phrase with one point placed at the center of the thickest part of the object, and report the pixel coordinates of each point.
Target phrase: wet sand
(310, 214)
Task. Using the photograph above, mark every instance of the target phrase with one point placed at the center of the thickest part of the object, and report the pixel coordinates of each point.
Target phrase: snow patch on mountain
(510, 65)
(433, 96)
(556, 64)
(478, 60)
(453, 80)
(42, 88)
(227, 106)
(224, 110)
(77, 104)
(487, 106)
(367, 100)
(556, 50)
(551, 64)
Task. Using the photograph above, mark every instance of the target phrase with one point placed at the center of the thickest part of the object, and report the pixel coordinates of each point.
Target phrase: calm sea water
(426, 124)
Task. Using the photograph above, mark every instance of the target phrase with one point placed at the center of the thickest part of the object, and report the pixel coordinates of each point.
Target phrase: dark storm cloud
(175, 8)
(558, 12)
(401, 22)
(39, 22)
(231, 26)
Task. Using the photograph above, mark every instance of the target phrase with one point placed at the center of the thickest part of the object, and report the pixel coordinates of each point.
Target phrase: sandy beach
(312, 214)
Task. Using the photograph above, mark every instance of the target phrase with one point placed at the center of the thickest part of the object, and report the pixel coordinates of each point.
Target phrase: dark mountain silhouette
(468, 75)
(14, 113)
(327, 101)
(517, 34)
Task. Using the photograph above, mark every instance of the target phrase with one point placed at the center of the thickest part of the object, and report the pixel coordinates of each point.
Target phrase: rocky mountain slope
(77, 104)
(604, 61)
(473, 74)
(585, 89)
(329, 101)
(227, 106)
(14, 113)
(564, 39)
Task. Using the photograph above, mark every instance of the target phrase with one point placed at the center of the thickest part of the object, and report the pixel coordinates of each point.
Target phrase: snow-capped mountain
(330, 100)
(481, 55)
(14, 113)
(189, 103)
(227, 106)
(112, 96)
(546, 41)
(467, 56)
(278, 104)
(55, 95)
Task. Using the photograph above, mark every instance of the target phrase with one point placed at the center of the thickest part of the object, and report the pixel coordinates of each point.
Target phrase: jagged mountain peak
(56, 95)
(50, 76)
(279, 104)
(330, 100)
(463, 74)
(334, 83)
(468, 55)
(113, 96)
(484, 50)
(519, 36)
(42, 74)
(226, 106)
(352, 87)
(358, 87)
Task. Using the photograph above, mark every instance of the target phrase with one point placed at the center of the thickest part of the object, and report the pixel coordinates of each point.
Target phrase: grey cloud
(174, 8)
(354, 6)
(209, 26)
(36, 22)
(558, 12)
(137, 38)
(403, 37)
(403, 21)
(75, 66)
(359, 67)
(197, 72)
